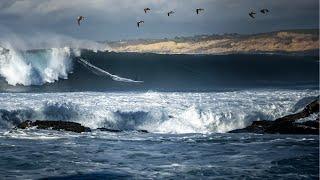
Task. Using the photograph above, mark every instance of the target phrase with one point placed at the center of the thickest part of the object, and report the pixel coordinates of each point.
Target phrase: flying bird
(169, 13)
(199, 9)
(264, 11)
(146, 10)
(139, 22)
(251, 14)
(79, 19)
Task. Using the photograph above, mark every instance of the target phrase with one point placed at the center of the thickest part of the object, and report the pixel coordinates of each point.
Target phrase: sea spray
(35, 67)
(157, 112)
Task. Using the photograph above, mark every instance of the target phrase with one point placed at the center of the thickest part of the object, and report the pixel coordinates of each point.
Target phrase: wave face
(35, 67)
(102, 72)
(59, 70)
(158, 112)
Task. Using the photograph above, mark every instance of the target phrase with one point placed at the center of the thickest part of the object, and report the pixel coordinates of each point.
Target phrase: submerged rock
(142, 131)
(287, 124)
(118, 130)
(55, 125)
(109, 130)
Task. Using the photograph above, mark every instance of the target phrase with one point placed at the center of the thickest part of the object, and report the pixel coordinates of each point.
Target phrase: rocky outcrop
(66, 126)
(55, 125)
(109, 130)
(287, 124)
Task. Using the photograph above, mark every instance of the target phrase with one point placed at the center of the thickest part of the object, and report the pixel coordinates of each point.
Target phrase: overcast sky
(116, 19)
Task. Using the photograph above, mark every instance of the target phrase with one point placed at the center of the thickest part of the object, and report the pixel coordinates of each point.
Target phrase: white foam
(26, 68)
(157, 112)
(103, 72)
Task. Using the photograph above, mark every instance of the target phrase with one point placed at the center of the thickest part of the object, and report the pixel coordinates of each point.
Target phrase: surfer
(146, 10)
(169, 13)
(199, 9)
(79, 19)
(139, 22)
(251, 14)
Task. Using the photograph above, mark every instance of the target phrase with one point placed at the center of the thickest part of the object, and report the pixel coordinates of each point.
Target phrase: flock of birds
(198, 10)
(146, 10)
(263, 11)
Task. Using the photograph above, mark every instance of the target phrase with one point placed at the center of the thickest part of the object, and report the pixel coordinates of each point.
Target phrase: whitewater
(187, 103)
(38, 67)
(157, 112)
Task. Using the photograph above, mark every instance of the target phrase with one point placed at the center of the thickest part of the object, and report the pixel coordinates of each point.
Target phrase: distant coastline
(287, 41)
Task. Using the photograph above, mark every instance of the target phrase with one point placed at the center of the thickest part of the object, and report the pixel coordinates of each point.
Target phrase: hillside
(280, 41)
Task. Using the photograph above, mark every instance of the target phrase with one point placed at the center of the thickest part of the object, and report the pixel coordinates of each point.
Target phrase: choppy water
(188, 103)
(187, 138)
(99, 155)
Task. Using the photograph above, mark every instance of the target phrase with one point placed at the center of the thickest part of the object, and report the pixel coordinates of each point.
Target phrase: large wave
(67, 69)
(30, 68)
(38, 67)
(102, 72)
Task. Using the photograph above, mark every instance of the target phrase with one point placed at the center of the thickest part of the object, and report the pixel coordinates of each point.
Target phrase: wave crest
(29, 68)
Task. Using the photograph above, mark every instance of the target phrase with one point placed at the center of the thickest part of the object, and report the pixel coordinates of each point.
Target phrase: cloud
(116, 19)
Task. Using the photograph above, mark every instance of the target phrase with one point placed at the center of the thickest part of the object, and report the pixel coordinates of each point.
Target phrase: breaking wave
(30, 68)
(191, 120)
(45, 66)
(67, 69)
(155, 112)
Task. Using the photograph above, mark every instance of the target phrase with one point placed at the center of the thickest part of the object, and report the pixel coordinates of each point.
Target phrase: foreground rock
(55, 125)
(66, 126)
(287, 124)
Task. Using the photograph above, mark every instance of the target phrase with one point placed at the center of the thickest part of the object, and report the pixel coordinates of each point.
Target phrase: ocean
(187, 103)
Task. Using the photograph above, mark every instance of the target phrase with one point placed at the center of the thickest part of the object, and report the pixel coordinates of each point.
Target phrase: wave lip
(38, 67)
(35, 68)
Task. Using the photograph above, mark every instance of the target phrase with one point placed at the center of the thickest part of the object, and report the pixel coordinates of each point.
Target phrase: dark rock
(109, 130)
(118, 131)
(142, 131)
(287, 124)
(258, 127)
(25, 124)
(311, 108)
(55, 125)
(304, 102)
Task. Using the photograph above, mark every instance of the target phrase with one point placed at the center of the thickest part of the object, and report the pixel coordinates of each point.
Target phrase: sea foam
(35, 67)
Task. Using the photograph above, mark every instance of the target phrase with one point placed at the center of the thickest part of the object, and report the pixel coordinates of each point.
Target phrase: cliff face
(282, 41)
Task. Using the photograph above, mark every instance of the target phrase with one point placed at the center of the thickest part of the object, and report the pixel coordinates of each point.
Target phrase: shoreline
(289, 41)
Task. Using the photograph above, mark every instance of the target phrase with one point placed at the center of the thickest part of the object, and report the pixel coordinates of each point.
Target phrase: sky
(116, 19)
